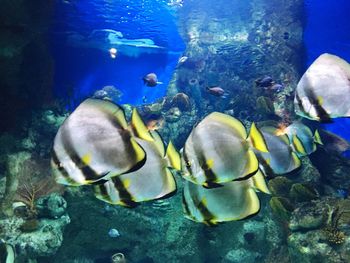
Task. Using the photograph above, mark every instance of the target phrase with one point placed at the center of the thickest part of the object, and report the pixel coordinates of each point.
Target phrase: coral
(52, 206)
(35, 181)
(334, 236)
(301, 192)
(281, 207)
(118, 258)
(182, 101)
(280, 186)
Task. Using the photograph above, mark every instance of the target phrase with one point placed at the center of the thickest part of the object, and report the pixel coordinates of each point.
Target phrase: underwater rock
(312, 247)
(301, 192)
(52, 206)
(173, 115)
(108, 93)
(181, 101)
(280, 186)
(43, 239)
(241, 255)
(308, 216)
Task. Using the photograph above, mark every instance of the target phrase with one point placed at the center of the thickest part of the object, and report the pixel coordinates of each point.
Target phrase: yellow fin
(253, 206)
(139, 151)
(298, 145)
(138, 127)
(252, 164)
(320, 100)
(317, 138)
(86, 159)
(158, 143)
(260, 183)
(231, 122)
(296, 160)
(210, 163)
(171, 180)
(285, 138)
(257, 140)
(173, 156)
(120, 116)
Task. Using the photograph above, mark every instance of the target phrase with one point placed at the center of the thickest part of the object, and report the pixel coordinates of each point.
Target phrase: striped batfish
(234, 200)
(152, 181)
(323, 92)
(94, 143)
(302, 139)
(281, 158)
(218, 151)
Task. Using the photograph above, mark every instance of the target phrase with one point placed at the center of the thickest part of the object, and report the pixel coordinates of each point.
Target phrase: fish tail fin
(139, 128)
(259, 182)
(317, 138)
(173, 156)
(257, 139)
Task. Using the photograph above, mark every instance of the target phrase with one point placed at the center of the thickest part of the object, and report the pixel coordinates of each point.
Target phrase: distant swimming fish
(151, 80)
(233, 201)
(264, 82)
(94, 143)
(323, 92)
(217, 91)
(218, 150)
(152, 181)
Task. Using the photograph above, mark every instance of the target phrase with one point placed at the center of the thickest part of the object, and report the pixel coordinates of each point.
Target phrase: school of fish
(222, 165)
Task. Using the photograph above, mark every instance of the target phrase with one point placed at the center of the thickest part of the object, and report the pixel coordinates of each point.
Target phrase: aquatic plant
(281, 207)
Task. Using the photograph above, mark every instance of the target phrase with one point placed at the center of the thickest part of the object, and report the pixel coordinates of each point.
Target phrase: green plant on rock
(281, 207)
(280, 186)
(301, 192)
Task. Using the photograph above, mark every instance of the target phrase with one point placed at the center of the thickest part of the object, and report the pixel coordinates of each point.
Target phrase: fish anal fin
(173, 156)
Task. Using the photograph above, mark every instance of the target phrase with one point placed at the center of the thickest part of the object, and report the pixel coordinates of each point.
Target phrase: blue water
(83, 61)
(328, 31)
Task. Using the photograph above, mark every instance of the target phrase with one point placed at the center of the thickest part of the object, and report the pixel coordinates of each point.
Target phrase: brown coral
(182, 101)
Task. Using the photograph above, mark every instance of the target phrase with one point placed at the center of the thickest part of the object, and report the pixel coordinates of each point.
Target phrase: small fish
(217, 91)
(151, 80)
(342, 193)
(264, 82)
(113, 233)
(277, 87)
(323, 92)
(183, 59)
(233, 201)
(113, 52)
(144, 99)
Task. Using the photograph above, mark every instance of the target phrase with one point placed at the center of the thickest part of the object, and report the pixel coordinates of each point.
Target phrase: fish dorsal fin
(158, 141)
(257, 139)
(260, 183)
(231, 122)
(298, 145)
(173, 156)
(317, 138)
(110, 108)
(138, 127)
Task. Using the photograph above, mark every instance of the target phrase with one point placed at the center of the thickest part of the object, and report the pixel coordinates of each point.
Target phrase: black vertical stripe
(206, 214)
(124, 195)
(60, 167)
